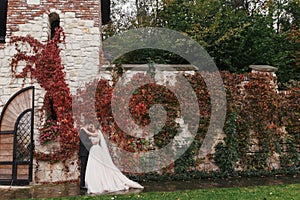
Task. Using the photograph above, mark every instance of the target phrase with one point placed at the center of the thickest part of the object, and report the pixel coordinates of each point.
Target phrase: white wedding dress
(101, 173)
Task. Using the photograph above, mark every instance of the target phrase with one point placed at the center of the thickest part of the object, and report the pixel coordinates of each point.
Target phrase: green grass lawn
(284, 192)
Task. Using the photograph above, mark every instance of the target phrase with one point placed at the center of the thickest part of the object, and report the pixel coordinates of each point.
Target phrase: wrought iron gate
(16, 138)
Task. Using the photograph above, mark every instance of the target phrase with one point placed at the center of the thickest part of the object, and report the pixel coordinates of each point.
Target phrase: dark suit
(84, 148)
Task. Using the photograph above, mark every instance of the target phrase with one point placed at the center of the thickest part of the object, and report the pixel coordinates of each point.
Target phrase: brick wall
(22, 11)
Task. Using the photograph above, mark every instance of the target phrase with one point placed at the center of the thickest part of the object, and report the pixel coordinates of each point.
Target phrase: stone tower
(81, 22)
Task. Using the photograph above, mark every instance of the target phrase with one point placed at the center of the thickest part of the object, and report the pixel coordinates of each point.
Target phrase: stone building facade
(81, 22)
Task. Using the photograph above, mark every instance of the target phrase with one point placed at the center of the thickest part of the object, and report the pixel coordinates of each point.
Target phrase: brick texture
(19, 12)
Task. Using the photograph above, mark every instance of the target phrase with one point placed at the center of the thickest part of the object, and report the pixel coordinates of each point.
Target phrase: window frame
(3, 18)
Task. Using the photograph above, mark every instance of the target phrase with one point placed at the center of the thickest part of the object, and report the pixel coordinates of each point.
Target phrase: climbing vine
(42, 62)
(98, 95)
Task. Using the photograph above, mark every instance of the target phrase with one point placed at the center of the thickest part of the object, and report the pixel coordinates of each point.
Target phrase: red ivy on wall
(94, 103)
(98, 95)
(43, 63)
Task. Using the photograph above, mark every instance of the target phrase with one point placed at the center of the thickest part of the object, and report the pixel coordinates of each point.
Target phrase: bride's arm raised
(95, 134)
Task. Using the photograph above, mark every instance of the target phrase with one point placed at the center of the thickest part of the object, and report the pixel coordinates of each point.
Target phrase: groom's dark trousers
(84, 148)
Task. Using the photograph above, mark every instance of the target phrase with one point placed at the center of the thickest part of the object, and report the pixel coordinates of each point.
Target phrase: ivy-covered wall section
(260, 135)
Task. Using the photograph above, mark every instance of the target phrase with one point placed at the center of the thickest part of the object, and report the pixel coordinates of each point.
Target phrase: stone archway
(16, 138)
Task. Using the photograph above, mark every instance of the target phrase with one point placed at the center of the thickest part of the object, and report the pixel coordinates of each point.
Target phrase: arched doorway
(16, 138)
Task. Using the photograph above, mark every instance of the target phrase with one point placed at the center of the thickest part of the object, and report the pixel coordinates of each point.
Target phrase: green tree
(236, 33)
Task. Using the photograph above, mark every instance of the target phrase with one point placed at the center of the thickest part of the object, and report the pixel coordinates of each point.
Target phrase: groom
(84, 148)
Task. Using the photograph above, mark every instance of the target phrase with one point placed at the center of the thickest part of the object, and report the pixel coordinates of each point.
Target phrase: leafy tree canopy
(236, 33)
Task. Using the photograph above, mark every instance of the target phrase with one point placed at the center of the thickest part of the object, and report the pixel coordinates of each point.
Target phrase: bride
(101, 173)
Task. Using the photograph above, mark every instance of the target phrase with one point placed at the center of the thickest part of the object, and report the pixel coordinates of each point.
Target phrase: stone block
(5, 70)
(56, 11)
(69, 60)
(33, 2)
(95, 39)
(77, 31)
(1, 55)
(89, 23)
(69, 15)
(86, 30)
(9, 51)
(94, 30)
(75, 46)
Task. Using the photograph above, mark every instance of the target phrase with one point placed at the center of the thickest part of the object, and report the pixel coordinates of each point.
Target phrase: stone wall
(80, 56)
(163, 75)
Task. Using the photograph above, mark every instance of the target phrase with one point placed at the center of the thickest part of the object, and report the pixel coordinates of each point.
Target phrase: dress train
(101, 173)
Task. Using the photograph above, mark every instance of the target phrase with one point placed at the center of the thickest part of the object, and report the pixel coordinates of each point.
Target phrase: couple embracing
(98, 173)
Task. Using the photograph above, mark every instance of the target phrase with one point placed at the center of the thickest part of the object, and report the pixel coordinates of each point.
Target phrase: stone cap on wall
(160, 67)
(263, 68)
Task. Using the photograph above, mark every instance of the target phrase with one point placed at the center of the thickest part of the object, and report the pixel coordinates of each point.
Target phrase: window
(3, 16)
(105, 11)
(54, 23)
